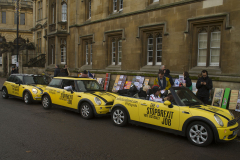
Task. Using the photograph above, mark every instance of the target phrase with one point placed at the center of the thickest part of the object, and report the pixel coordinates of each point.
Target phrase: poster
(233, 99)
(225, 98)
(14, 59)
(0, 60)
(127, 84)
(238, 103)
(217, 98)
(138, 81)
(146, 82)
(181, 79)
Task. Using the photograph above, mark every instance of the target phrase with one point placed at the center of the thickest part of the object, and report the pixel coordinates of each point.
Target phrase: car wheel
(27, 98)
(86, 111)
(199, 134)
(5, 93)
(46, 102)
(119, 117)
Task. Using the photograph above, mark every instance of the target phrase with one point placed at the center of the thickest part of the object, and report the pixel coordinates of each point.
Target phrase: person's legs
(200, 98)
(205, 100)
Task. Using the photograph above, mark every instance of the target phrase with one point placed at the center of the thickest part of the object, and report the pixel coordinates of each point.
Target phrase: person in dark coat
(84, 74)
(167, 74)
(14, 70)
(204, 85)
(56, 71)
(143, 91)
(188, 80)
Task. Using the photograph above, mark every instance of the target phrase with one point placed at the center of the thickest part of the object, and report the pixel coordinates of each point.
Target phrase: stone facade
(8, 27)
(102, 35)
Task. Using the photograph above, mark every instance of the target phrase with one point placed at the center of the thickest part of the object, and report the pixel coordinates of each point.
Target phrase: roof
(73, 78)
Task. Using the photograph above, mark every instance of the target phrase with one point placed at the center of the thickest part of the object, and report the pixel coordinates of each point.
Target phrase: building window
(117, 5)
(39, 41)
(4, 17)
(89, 9)
(209, 46)
(64, 10)
(155, 1)
(116, 51)
(88, 52)
(15, 18)
(154, 48)
(63, 51)
(40, 10)
(22, 19)
(53, 6)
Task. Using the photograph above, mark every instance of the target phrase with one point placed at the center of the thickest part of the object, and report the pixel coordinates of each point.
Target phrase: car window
(55, 83)
(10, 79)
(187, 97)
(34, 80)
(88, 85)
(68, 83)
(20, 79)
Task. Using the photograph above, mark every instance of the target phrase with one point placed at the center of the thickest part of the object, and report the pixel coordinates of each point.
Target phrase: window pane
(215, 59)
(159, 59)
(121, 4)
(3, 17)
(114, 5)
(150, 47)
(150, 53)
(22, 19)
(202, 36)
(150, 40)
(202, 44)
(202, 52)
(150, 59)
(159, 53)
(15, 18)
(202, 59)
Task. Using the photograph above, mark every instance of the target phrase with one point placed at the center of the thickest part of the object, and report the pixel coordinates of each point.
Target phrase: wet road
(31, 133)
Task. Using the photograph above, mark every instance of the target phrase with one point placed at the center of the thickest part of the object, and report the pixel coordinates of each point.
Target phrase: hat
(155, 89)
(146, 87)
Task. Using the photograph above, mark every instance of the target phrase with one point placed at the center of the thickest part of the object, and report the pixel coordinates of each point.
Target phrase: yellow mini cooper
(82, 95)
(25, 86)
(181, 114)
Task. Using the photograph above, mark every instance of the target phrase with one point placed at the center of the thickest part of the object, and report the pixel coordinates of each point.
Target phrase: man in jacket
(162, 81)
(167, 74)
(204, 85)
(56, 71)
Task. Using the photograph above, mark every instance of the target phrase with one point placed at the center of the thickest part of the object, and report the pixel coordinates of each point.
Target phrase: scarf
(163, 86)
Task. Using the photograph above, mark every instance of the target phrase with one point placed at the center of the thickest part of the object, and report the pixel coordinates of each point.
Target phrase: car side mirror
(168, 103)
(17, 83)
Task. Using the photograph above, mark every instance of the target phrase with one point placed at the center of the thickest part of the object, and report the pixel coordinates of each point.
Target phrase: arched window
(64, 10)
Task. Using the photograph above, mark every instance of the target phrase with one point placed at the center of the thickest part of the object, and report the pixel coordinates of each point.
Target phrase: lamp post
(17, 7)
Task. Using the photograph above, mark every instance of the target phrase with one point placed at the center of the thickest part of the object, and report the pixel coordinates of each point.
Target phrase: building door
(51, 51)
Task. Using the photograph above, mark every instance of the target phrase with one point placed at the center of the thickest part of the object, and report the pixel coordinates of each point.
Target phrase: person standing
(14, 71)
(204, 85)
(56, 71)
(162, 81)
(66, 70)
(188, 80)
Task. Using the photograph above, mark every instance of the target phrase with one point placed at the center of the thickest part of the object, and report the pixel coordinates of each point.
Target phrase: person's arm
(168, 84)
(209, 84)
(198, 85)
(171, 81)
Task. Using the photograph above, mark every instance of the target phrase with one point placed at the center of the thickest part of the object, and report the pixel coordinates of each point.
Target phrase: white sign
(14, 59)
(0, 60)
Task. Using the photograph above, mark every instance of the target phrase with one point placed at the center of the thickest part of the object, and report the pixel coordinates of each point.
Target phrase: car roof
(73, 78)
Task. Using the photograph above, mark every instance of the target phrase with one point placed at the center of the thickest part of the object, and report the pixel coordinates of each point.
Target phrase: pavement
(2, 80)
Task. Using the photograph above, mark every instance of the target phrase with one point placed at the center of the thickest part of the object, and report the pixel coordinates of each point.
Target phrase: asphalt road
(28, 132)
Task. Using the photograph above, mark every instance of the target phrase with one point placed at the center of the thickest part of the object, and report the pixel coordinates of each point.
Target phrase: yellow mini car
(25, 86)
(82, 95)
(184, 115)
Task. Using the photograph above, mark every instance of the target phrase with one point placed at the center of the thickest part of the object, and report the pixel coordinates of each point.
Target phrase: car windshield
(187, 97)
(86, 85)
(34, 80)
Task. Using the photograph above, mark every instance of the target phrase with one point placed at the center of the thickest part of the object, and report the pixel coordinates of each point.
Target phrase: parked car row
(184, 115)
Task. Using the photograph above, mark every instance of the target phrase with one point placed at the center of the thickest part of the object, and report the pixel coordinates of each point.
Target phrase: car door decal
(215, 113)
(66, 97)
(129, 102)
(15, 89)
(104, 100)
(155, 113)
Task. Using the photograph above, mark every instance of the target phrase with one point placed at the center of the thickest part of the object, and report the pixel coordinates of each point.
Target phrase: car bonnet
(104, 96)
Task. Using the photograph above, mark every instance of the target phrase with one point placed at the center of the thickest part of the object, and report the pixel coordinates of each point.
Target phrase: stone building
(140, 35)
(8, 20)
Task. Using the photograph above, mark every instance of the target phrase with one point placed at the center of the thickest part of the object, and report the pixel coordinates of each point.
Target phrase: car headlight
(218, 119)
(231, 114)
(97, 101)
(34, 90)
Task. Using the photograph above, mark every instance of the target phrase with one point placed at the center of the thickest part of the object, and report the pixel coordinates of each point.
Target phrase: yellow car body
(85, 96)
(178, 116)
(24, 87)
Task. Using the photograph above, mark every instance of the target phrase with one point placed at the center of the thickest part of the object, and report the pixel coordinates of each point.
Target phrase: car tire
(199, 134)
(27, 98)
(5, 93)
(46, 102)
(119, 117)
(86, 111)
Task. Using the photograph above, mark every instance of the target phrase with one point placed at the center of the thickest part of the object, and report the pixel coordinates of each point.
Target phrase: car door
(54, 90)
(15, 86)
(9, 85)
(159, 114)
(20, 86)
